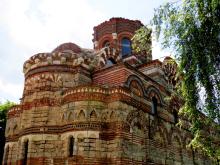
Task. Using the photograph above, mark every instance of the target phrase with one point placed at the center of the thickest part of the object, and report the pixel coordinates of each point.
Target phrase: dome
(167, 58)
(67, 47)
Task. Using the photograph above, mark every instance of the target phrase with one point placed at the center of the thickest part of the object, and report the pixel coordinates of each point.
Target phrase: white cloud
(10, 91)
(157, 51)
(41, 25)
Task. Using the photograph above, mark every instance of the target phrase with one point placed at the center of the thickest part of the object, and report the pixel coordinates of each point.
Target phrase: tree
(191, 28)
(4, 107)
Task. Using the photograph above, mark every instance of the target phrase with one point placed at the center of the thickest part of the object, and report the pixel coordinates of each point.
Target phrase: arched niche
(151, 92)
(159, 134)
(176, 147)
(137, 127)
(134, 146)
(136, 85)
(81, 115)
(93, 116)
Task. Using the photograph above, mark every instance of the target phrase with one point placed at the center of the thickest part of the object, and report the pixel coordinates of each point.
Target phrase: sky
(28, 27)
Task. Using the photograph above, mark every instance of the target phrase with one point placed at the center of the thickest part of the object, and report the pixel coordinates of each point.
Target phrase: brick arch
(138, 80)
(103, 39)
(122, 35)
(136, 115)
(152, 91)
(163, 131)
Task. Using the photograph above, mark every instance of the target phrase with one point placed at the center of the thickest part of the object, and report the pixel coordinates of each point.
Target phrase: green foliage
(3, 111)
(142, 40)
(4, 107)
(191, 28)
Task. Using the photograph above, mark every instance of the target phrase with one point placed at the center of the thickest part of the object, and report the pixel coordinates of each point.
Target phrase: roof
(67, 47)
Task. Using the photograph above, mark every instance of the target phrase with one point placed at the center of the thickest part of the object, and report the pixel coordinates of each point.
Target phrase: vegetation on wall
(191, 28)
(4, 107)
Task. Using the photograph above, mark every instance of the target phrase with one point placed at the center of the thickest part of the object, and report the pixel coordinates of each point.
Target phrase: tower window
(25, 153)
(126, 47)
(154, 105)
(71, 146)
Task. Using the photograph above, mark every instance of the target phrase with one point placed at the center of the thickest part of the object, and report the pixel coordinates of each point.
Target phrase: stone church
(101, 106)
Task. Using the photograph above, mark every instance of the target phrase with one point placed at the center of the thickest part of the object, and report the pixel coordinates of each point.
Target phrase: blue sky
(28, 27)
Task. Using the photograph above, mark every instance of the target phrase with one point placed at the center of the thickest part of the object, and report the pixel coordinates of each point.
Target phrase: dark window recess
(25, 153)
(125, 47)
(71, 146)
(154, 105)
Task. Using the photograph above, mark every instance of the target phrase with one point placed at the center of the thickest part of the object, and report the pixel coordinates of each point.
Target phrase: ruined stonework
(98, 106)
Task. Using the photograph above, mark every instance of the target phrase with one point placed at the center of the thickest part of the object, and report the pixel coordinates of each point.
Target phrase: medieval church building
(101, 106)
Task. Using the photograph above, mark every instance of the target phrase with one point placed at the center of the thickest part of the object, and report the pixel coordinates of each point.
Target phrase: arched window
(71, 146)
(106, 44)
(154, 105)
(25, 153)
(125, 47)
